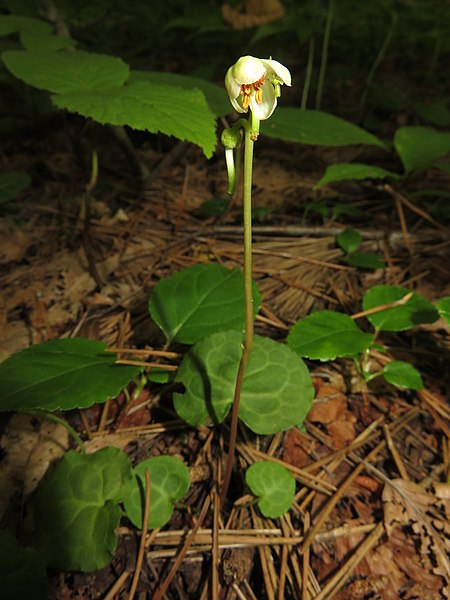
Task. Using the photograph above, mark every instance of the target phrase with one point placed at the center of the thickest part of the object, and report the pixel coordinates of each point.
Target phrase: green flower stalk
(253, 84)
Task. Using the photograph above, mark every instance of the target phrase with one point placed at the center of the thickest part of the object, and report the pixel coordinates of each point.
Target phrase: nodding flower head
(255, 83)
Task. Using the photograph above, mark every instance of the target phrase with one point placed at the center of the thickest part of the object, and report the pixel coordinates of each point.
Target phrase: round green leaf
(420, 147)
(171, 110)
(316, 128)
(215, 97)
(37, 42)
(199, 301)
(276, 393)
(66, 72)
(10, 24)
(364, 260)
(345, 171)
(443, 306)
(274, 485)
(349, 239)
(397, 318)
(403, 375)
(12, 184)
(325, 335)
(169, 482)
(77, 511)
(62, 374)
(23, 573)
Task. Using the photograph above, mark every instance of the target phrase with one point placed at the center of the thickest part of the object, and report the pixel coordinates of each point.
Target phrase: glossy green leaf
(171, 110)
(345, 171)
(274, 485)
(66, 72)
(420, 147)
(365, 260)
(403, 375)
(169, 482)
(443, 306)
(349, 239)
(12, 184)
(23, 573)
(215, 95)
(76, 510)
(199, 301)
(37, 42)
(62, 374)
(397, 318)
(326, 335)
(10, 24)
(316, 128)
(214, 207)
(276, 393)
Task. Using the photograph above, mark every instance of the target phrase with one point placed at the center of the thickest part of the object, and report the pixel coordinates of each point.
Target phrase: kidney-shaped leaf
(403, 375)
(345, 171)
(325, 335)
(274, 485)
(420, 147)
(23, 573)
(61, 374)
(316, 128)
(276, 393)
(349, 239)
(171, 110)
(169, 482)
(77, 510)
(401, 316)
(199, 301)
(66, 72)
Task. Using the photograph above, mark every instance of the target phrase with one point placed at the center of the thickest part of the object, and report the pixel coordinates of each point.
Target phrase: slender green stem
(308, 75)
(249, 326)
(52, 417)
(324, 57)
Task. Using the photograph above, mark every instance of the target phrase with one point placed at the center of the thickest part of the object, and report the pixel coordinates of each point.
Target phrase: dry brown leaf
(252, 13)
(30, 444)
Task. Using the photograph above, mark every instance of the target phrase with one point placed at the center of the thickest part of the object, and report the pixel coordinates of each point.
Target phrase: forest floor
(371, 514)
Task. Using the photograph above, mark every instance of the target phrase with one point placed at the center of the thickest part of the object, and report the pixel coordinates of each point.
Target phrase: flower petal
(269, 101)
(248, 69)
(281, 72)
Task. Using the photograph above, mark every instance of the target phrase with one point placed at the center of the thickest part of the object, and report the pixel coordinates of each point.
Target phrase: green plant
(327, 335)
(274, 486)
(350, 240)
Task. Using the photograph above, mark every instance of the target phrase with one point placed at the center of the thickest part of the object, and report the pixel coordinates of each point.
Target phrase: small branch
(140, 556)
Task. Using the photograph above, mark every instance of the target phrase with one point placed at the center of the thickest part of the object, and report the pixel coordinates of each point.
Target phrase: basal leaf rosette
(276, 393)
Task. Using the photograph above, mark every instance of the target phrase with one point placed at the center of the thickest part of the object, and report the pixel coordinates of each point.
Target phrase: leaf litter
(370, 515)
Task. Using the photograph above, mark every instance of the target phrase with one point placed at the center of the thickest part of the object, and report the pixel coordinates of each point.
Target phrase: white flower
(255, 83)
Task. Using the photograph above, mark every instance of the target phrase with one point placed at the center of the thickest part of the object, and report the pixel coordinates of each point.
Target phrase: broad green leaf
(12, 184)
(215, 95)
(214, 207)
(345, 171)
(403, 375)
(349, 239)
(76, 510)
(365, 260)
(169, 482)
(403, 316)
(437, 113)
(274, 485)
(38, 42)
(66, 72)
(61, 374)
(443, 306)
(199, 301)
(23, 573)
(155, 108)
(16, 23)
(316, 128)
(420, 147)
(276, 393)
(326, 335)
